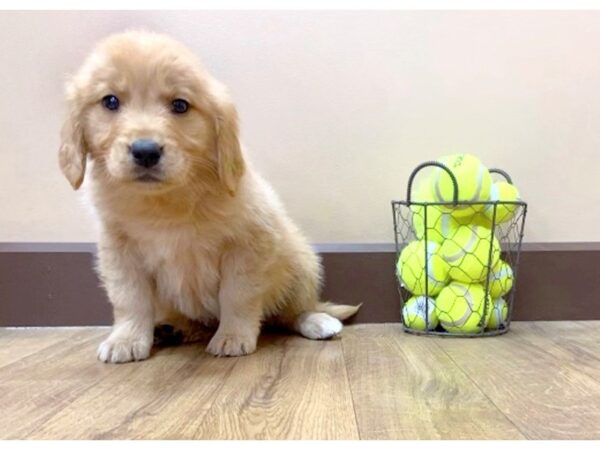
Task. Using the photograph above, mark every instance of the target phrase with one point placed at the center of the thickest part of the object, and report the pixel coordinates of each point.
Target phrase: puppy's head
(143, 108)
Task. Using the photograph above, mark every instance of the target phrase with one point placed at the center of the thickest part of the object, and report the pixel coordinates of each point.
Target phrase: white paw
(121, 350)
(318, 325)
(228, 344)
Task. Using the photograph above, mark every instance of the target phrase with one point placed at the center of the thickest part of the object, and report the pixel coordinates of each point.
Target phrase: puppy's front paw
(121, 350)
(228, 344)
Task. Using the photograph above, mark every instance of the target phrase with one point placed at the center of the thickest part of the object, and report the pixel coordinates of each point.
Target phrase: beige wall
(337, 108)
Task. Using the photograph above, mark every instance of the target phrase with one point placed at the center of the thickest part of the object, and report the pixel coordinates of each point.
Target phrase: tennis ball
(460, 307)
(411, 268)
(440, 224)
(473, 180)
(500, 279)
(499, 314)
(468, 253)
(478, 219)
(502, 191)
(419, 313)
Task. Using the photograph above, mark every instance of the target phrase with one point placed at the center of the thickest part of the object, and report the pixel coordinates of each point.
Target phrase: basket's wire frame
(396, 205)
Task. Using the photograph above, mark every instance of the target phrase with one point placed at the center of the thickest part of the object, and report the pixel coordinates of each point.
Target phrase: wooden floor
(540, 381)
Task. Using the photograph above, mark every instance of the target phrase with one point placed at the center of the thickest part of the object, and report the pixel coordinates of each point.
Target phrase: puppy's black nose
(146, 152)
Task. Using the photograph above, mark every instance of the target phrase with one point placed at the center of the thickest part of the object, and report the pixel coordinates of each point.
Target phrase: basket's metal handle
(503, 173)
(441, 166)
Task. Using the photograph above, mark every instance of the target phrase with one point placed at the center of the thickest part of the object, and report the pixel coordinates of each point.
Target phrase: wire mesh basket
(457, 262)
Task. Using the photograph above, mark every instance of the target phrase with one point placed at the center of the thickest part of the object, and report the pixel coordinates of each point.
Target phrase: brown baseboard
(55, 285)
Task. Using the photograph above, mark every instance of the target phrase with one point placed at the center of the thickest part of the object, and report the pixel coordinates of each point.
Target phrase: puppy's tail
(341, 312)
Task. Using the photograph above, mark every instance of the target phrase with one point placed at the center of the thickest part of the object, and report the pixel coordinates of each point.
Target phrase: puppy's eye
(179, 106)
(111, 102)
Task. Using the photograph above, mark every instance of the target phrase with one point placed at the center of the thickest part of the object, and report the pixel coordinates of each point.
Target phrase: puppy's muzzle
(146, 152)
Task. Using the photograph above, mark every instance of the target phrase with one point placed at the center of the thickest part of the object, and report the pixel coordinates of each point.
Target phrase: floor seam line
(350, 389)
(218, 391)
(527, 437)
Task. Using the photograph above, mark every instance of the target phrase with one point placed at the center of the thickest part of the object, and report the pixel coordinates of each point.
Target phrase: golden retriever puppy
(190, 233)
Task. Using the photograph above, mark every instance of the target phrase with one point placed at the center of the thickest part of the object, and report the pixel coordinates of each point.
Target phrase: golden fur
(210, 241)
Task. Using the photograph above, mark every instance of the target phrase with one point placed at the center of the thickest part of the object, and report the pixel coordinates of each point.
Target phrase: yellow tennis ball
(503, 192)
(440, 224)
(460, 308)
(499, 314)
(473, 180)
(412, 271)
(500, 279)
(468, 253)
(478, 219)
(419, 313)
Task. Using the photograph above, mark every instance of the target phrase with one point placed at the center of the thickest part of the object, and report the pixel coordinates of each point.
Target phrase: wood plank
(43, 385)
(16, 343)
(71, 355)
(26, 406)
(29, 393)
(292, 388)
(405, 387)
(539, 392)
(574, 343)
(200, 396)
(163, 397)
(593, 326)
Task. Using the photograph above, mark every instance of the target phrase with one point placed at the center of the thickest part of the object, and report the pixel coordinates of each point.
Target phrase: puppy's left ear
(72, 154)
(230, 160)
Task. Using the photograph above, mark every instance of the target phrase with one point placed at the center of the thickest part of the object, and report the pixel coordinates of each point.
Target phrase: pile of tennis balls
(459, 247)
